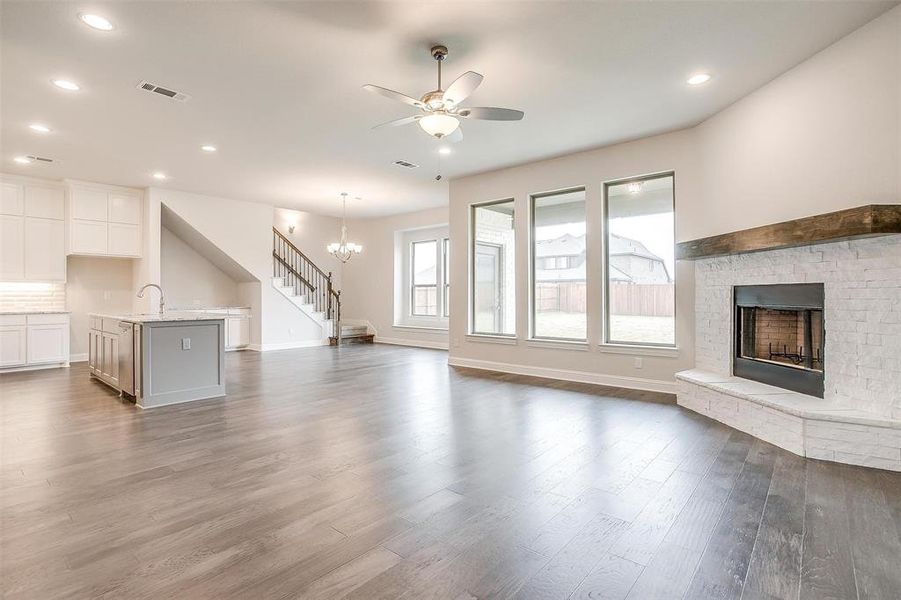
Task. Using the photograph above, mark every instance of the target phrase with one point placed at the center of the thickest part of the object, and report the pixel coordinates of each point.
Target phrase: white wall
(242, 230)
(312, 233)
(190, 280)
(674, 151)
(368, 291)
(824, 136)
(96, 285)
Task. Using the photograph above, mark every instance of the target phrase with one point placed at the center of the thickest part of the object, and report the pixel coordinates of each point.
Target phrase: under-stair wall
(242, 231)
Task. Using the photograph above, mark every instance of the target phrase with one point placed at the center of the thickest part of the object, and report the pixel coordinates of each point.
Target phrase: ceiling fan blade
(462, 87)
(491, 113)
(398, 122)
(391, 94)
(456, 136)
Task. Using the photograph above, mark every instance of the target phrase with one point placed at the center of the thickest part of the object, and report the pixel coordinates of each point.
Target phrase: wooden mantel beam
(863, 221)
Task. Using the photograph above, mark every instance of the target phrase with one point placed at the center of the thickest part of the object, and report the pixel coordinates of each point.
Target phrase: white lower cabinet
(237, 332)
(12, 346)
(48, 344)
(34, 340)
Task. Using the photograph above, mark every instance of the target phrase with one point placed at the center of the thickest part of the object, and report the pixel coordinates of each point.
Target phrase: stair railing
(308, 280)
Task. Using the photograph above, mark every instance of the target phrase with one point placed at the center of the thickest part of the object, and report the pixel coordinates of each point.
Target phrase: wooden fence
(646, 299)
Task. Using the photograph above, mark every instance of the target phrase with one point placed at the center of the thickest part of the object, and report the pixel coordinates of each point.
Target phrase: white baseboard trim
(287, 345)
(78, 357)
(635, 383)
(412, 343)
(34, 367)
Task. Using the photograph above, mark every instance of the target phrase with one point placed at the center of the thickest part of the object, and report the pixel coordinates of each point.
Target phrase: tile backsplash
(29, 295)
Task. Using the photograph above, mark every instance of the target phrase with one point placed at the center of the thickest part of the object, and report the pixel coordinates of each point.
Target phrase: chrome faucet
(162, 298)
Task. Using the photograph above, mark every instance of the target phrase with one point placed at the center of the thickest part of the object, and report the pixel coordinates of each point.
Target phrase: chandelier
(343, 250)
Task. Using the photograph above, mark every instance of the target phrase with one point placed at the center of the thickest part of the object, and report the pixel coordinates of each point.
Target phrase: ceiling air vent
(40, 158)
(156, 89)
(405, 164)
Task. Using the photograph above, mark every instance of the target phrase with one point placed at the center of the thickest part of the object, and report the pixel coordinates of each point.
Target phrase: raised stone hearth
(858, 420)
(805, 425)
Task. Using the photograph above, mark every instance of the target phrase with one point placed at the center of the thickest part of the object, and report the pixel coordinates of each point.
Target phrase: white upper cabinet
(88, 204)
(45, 249)
(32, 230)
(125, 208)
(104, 220)
(12, 199)
(45, 202)
(124, 239)
(12, 248)
(88, 237)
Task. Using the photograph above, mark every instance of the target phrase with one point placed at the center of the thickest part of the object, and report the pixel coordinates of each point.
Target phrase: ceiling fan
(440, 109)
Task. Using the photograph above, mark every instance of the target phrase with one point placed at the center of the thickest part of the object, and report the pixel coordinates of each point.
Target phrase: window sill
(664, 352)
(492, 339)
(558, 344)
(421, 327)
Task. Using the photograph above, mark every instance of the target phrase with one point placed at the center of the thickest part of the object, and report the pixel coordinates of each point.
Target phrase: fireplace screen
(779, 336)
(784, 336)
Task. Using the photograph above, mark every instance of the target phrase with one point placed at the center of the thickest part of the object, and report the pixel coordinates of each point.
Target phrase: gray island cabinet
(159, 359)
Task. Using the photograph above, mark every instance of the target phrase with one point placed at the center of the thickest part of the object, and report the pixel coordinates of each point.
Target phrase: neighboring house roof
(571, 245)
(620, 245)
(565, 245)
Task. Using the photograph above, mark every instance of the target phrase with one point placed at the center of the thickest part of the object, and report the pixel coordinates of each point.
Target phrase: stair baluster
(308, 280)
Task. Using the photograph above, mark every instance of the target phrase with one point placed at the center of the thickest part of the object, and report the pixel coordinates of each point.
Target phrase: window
(425, 278)
(446, 275)
(492, 262)
(558, 265)
(640, 261)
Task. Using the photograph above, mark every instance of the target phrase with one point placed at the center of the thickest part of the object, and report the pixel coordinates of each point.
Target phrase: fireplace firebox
(779, 336)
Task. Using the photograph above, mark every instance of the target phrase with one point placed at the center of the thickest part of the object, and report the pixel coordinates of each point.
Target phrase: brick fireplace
(857, 416)
(779, 335)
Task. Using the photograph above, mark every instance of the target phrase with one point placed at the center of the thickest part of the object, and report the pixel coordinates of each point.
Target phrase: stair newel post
(338, 316)
(329, 311)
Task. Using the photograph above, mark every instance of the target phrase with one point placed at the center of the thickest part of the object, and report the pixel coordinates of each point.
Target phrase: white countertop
(34, 312)
(169, 315)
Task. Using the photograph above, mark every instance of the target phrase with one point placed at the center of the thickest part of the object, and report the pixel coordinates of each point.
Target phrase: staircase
(310, 289)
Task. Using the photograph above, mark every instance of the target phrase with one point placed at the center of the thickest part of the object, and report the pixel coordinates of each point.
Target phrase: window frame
(532, 259)
(445, 270)
(414, 286)
(472, 267)
(605, 256)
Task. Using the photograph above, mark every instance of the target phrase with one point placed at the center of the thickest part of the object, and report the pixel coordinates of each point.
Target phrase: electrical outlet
(107, 295)
(639, 363)
(456, 342)
(185, 343)
(290, 331)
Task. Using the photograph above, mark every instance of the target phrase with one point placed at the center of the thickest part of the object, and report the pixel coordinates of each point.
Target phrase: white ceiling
(276, 86)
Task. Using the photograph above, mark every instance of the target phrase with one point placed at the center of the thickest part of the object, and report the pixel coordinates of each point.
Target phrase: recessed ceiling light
(96, 21)
(698, 79)
(208, 148)
(22, 160)
(39, 128)
(444, 150)
(160, 176)
(66, 85)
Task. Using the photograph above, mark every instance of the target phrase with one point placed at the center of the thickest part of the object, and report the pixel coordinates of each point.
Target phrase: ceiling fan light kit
(440, 111)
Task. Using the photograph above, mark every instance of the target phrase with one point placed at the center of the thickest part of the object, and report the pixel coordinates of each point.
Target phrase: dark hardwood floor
(379, 472)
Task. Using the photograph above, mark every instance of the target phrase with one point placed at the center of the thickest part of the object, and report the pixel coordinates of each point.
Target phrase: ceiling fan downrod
(439, 53)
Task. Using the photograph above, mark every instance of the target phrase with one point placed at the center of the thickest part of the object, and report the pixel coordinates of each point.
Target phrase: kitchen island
(175, 357)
